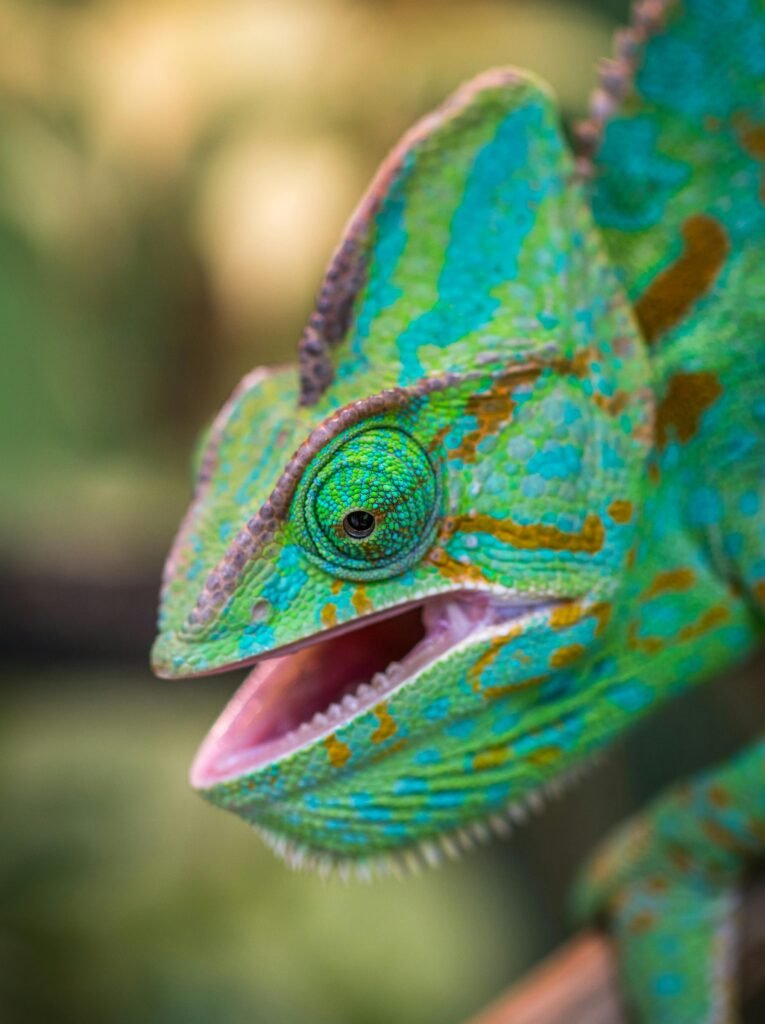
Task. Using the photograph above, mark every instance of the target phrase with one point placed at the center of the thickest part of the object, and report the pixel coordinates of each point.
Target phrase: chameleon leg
(669, 882)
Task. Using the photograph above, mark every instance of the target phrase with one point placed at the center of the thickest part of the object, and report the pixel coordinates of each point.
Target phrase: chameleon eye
(367, 506)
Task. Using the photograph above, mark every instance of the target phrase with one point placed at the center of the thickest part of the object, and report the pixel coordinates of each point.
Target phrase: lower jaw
(352, 835)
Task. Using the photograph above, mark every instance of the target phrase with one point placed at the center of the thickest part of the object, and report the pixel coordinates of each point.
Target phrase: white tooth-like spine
(427, 853)
(431, 853)
(480, 832)
(412, 861)
(363, 870)
(536, 800)
(518, 813)
(500, 826)
(449, 846)
(464, 839)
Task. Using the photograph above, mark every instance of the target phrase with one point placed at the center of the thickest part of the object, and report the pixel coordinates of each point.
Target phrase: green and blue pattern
(534, 379)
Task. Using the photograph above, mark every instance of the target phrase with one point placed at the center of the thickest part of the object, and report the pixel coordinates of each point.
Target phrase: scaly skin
(539, 378)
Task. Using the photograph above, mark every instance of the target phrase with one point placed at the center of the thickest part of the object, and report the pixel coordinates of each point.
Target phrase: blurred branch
(579, 982)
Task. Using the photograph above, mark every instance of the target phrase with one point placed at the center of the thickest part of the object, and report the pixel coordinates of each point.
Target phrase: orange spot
(680, 858)
(494, 692)
(578, 365)
(566, 655)
(536, 536)
(759, 591)
(336, 586)
(387, 726)
(544, 757)
(360, 601)
(602, 612)
(669, 582)
(621, 511)
(753, 140)
(492, 410)
(614, 404)
(565, 615)
(672, 293)
(687, 398)
(646, 644)
(337, 751)
(657, 884)
(719, 796)
(642, 922)
(569, 614)
(721, 836)
(476, 670)
(329, 616)
(438, 437)
(493, 757)
(709, 620)
(452, 569)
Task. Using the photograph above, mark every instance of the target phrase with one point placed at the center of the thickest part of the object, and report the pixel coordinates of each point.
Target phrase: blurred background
(173, 177)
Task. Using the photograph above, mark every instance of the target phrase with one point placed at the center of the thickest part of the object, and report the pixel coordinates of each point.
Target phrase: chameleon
(510, 498)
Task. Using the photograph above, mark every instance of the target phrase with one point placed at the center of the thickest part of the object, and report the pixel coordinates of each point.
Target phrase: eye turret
(367, 506)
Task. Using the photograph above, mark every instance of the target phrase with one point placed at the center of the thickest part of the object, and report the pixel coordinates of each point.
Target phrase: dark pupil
(359, 523)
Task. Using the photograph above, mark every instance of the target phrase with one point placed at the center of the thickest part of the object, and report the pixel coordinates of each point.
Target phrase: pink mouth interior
(288, 702)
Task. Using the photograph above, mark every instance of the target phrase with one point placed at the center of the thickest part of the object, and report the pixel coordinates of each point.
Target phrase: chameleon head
(416, 535)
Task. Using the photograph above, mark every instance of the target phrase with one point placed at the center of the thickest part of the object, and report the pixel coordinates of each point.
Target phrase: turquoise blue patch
(705, 507)
(409, 786)
(460, 729)
(488, 229)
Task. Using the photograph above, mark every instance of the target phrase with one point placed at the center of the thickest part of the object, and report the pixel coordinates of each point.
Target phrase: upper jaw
(175, 657)
(178, 656)
(302, 694)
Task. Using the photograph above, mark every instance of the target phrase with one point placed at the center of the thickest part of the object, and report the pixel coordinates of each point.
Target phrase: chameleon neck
(689, 606)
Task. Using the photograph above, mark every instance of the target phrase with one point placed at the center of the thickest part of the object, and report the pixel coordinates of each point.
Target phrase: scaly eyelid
(380, 470)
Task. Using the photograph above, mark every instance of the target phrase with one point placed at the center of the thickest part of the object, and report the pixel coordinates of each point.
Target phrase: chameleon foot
(668, 882)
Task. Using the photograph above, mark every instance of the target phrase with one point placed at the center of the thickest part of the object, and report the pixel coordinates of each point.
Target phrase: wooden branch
(579, 982)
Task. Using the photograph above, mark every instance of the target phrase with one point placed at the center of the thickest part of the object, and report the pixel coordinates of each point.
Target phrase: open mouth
(290, 701)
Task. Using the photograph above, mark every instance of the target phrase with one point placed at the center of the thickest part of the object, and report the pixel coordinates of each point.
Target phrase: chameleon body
(512, 498)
